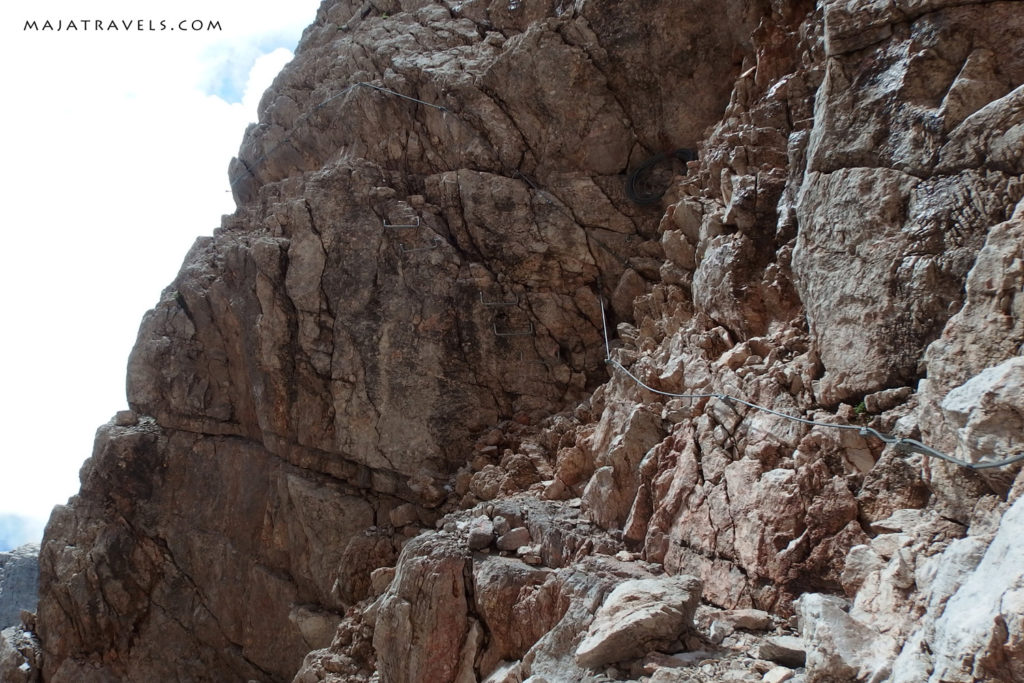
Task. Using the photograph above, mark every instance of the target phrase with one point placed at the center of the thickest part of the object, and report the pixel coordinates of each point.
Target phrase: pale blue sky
(116, 153)
(231, 65)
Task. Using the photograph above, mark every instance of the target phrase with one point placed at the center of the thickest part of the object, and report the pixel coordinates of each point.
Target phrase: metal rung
(435, 243)
(513, 333)
(533, 361)
(402, 225)
(498, 303)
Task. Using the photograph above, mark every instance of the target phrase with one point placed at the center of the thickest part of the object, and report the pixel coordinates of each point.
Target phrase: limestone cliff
(373, 433)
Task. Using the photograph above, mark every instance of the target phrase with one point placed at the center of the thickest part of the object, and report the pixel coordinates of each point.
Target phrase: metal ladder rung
(513, 333)
(498, 303)
(533, 361)
(396, 226)
(435, 243)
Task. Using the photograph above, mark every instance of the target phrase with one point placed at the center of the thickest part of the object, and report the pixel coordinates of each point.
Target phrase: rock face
(639, 616)
(909, 141)
(20, 656)
(373, 433)
(19, 583)
(972, 627)
(840, 646)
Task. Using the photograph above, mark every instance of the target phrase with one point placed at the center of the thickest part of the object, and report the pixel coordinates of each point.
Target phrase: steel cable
(303, 117)
(901, 443)
(645, 198)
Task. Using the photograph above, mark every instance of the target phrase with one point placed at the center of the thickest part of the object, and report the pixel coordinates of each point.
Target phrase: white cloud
(262, 74)
(16, 531)
(116, 157)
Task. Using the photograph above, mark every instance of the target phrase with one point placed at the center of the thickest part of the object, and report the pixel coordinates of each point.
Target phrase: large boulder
(839, 647)
(639, 616)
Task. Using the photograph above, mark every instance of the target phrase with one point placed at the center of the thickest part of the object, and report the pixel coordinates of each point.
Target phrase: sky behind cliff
(120, 121)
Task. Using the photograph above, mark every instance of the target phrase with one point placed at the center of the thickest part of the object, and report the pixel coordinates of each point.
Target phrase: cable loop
(902, 444)
(386, 91)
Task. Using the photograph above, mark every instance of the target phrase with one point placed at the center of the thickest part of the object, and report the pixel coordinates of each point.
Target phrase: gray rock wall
(19, 583)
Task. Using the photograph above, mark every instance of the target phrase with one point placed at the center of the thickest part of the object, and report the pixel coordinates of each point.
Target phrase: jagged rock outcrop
(373, 435)
(19, 583)
(316, 366)
(20, 656)
(972, 627)
(639, 616)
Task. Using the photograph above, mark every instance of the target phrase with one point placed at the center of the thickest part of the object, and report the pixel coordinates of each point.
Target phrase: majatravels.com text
(125, 25)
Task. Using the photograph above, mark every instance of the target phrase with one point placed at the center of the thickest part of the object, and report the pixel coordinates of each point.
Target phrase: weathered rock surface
(20, 656)
(637, 617)
(372, 433)
(839, 646)
(972, 628)
(281, 386)
(789, 650)
(426, 606)
(904, 254)
(533, 616)
(260, 524)
(19, 582)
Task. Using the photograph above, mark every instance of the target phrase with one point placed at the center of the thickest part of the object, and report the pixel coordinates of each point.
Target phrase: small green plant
(860, 409)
